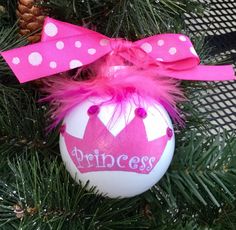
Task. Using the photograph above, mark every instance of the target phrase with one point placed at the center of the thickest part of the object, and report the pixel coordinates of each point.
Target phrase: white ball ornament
(122, 149)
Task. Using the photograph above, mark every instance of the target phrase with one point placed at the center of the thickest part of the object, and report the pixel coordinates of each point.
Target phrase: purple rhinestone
(169, 132)
(141, 112)
(63, 129)
(93, 109)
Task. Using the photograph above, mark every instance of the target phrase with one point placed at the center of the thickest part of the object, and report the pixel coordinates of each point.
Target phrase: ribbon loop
(64, 46)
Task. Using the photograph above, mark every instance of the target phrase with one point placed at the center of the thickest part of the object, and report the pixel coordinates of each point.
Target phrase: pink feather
(104, 81)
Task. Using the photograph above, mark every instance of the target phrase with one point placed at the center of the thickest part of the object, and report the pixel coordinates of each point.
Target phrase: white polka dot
(104, 42)
(35, 58)
(53, 64)
(146, 47)
(78, 44)
(92, 51)
(60, 45)
(159, 59)
(51, 29)
(182, 38)
(172, 51)
(16, 60)
(160, 42)
(75, 64)
(193, 51)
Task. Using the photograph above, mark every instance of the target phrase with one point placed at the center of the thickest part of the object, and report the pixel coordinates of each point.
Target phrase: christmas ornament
(116, 131)
(122, 150)
(31, 19)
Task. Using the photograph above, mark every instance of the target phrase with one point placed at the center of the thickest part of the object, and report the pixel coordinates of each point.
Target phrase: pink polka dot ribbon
(65, 46)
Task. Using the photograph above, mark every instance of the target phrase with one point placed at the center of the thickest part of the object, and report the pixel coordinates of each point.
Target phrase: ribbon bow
(65, 46)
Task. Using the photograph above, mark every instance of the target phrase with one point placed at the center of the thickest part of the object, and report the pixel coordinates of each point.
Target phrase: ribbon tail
(202, 73)
(52, 57)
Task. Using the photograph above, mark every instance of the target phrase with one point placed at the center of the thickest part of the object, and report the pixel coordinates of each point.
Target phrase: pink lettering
(121, 157)
(143, 161)
(133, 162)
(96, 161)
(112, 160)
(97, 157)
(151, 162)
(78, 156)
(89, 158)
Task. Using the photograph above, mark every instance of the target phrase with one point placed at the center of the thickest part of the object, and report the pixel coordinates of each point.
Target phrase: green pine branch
(36, 192)
(199, 184)
(198, 189)
(42, 195)
(7, 12)
(23, 124)
(124, 18)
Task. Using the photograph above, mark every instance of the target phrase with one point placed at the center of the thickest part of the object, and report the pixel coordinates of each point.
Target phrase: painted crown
(130, 150)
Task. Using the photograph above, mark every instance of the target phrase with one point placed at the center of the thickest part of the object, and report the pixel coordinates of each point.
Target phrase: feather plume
(113, 78)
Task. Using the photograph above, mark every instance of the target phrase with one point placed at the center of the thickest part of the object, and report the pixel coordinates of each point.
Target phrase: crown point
(169, 132)
(94, 109)
(141, 112)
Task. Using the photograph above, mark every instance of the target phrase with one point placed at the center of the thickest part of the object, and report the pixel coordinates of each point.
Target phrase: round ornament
(123, 144)
(121, 148)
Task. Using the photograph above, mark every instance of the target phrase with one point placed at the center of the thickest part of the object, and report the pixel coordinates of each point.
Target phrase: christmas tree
(36, 191)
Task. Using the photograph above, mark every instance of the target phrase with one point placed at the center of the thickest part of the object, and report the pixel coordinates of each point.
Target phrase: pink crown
(129, 151)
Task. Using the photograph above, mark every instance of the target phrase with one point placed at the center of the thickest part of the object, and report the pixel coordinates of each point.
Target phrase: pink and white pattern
(65, 46)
